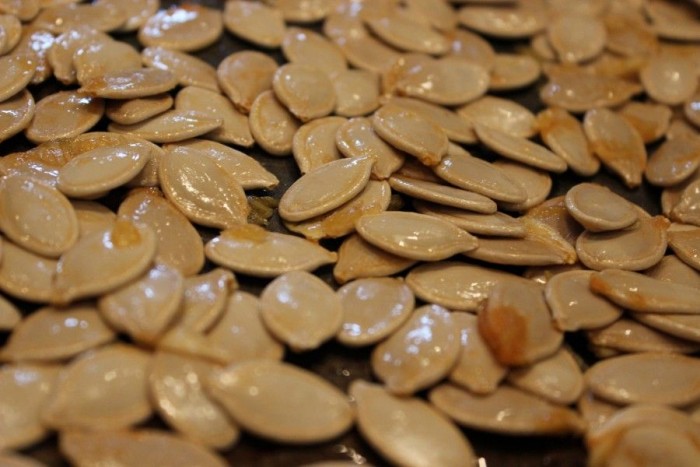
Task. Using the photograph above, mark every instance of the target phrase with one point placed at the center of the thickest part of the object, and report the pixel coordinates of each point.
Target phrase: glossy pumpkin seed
(530, 334)
(574, 306)
(683, 326)
(100, 57)
(513, 71)
(507, 410)
(102, 389)
(672, 269)
(373, 309)
(26, 275)
(652, 378)
(25, 389)
(510, 21)
(132, 84)
(186, 28)
(301, 310)
(19, 70)
(357, 138)
(599, 209)
(99, 170)
(683, 202)
(302, 11)
(306, 47)
(554, 214)
(442, 194)
(685, 244)
(177, 385)
(407, 34)
(9, 315)
(425, 438)
(250, 249)
(307, 92)
(367, 53)
(420, 353)
(455, 126)
(103, 261)
(325, 188)
(36, 43)
(204, 299)
(578, 92)
(11, 32)
(536, 183)
(134, 447)
(178, 243)
(36, 217)
(60, 18)
(60, 56)
(617, 144)
(564, 135)
(57, 334)
(668, 79)
(557, 379)
(360, 259)
(272, 125)
(50, 120)
(576, 38)
(501, 114)
(497, 224)
(136, 12)
(454, 285)
(626, 335)
(131, 111)
(187, 69)
(519, 149)
(16, 113)
(244, 75)
(255, 22)
(314, 143)
(650, 120)
(199, 187)
(635, 248)
(674, 161)
(472, 47)
(356, 92)
(258, 394)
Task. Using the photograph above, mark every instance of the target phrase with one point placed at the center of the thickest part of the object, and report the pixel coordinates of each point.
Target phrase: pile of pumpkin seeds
(422, 184)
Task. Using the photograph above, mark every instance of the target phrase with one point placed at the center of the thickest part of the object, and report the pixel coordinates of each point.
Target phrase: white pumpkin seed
(244, 75)
(672, 269)
(629, 34)
(272, 125)
(137, 12)
(685, 244)
(472, 47)
(187, 28)
(170, 126)
(307, 92)
(187, 69)
(360, 259)
(302, 11)
(683, 326)
(599, 209)
(60, 55)
(367, 53)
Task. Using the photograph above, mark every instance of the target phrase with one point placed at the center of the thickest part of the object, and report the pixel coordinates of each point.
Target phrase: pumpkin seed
(186, 28)
(356, 92)
(407, 34)
(187, 69)
(360, 259)
(314, 143)
(512, 71)
(9, 315)
(306, 47)
(131, 84)
(16, 113)
(357, 138)
(472, 47)
(576, 38)
(508, 21)
(19, 70)
(131, 111)
(104, 56)
(626, 335)
(519, 149)
(244, 75)
(536, 183)
(668, 79)
(454, 124)
(501, 114)
(272, 125)
(204, 299)
(26, 275)
(599, 209)
(63, 115)
(557, 378)
(564, 135)
(685, 245)
(307, 92)
(497, 224)
(650, 120)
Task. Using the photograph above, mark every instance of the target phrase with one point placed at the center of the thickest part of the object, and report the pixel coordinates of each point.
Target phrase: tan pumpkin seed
(457, 286)
(66, 45)
(404, 33)
(258, 394)
(99, 170)
(497, 224)
(132, 84)
(359, 259)
(367, 53)
(673, 21)
(618, 145)
(11, 32)
(629, 34)
(542, 49)
(512, 71)
(187, 69)
(595, 412)
(576, 38)
(244, 75)
(420, 353)
(626, 335)
(246, 170)
(564, 135)
(399, 68)
(16, 460)
(134, 447)
(509, 21)
(599, 209)
(63, 115)
(178, 243)
(507, 410)
(204, 299)
(683, 326)
(26, 275)
(652, 378)
(25, 388)
(127, 112)
(36, 43)
(36, 217)
(61, 18)
(57, 334)
(307, 92)
(578, 92)
(672, 269)
(357, 138)
(234, 128)
(301, 310)
(272, 125)
(536, 183)
(635, 248)
(375, 198)
(683, 205)
(137, 12)
(24, 10)
(454, 125)
(472, 47)
(650, 120)
(99, 57)
(442, 194)
(530, 334)
(437, 12)
(16, 113)
(543, 274)
(557, 378)
(519, 149)
(19, 70)
(187, 28)
(9, 315)
(501, 114)
(302, 11)
(668, 79)
(574, 306)
(177, 386)
(674, 161)
(554, 214)
(250, 249)
(373, 309)
(686, 244)
(241, 335)
(314, 143)
(426, 436)
(255, 22)
(356, 92)
(310, 195)
(199, 187)
(103, 261)
(414, 236)
(144, 308)
(306, 47)
(102, 389)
